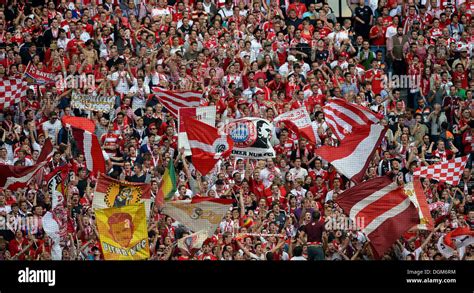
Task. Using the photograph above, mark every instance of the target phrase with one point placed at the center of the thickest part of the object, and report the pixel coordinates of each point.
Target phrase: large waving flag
(12, 89)
(112, 193)
(174, 100)
(382, 210)
(89, 145)
(299, 122)
(343, 116)
(198, 214)
(123, 232)
(207, 144)
(14, 177)
(353, 155)
(448, 171)
(168, 185)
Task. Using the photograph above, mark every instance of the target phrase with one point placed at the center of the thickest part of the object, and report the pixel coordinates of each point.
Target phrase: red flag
(207, 145)
(299, 121)
(448, 171)
(353, 155)
(343, 116)
(458, 232)
(88, 144)
(79, 122)
(382, 210)
(14, 177)
(12, 89)
(175, 100)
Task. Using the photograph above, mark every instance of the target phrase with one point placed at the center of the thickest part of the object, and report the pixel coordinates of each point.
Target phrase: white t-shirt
(52, 129)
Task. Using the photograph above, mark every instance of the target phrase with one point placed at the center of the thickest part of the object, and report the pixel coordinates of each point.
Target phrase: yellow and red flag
(123, 232)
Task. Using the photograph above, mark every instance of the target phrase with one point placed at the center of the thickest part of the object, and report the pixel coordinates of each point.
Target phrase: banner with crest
(252, 137)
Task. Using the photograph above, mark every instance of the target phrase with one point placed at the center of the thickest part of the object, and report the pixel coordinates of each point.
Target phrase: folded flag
(168, 185)
(449, 171)
(207, 144)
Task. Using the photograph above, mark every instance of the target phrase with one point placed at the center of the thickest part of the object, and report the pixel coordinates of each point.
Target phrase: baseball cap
(292, 58)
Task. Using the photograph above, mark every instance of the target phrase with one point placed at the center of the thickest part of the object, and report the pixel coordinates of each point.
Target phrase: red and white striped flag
(174, 100)
(353, 155)
(448, 171)
(343, 116)
(207, 144)
(12, 89)
(14, 177)
(299, 121)
(88, 144)
(382, 210)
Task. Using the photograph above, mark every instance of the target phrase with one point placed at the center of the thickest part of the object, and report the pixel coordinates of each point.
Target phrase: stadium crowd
(410, 61)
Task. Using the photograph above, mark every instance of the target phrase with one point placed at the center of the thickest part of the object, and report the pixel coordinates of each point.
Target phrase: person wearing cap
(287, 68)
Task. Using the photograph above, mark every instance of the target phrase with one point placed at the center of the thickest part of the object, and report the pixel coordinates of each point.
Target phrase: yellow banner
(123, 232)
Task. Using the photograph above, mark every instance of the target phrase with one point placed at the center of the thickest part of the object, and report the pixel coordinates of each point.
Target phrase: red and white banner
(299, 122)
(353, 155)
(448, 171)
(89, 145)
(455, 240)
(173, 101)
(38, 76)
(112, 193)
(204, 213)
(79, 122)
(383, 210)
(11, 91)
(343, 116)
(14, 177)
(207, 144)
(203, 114)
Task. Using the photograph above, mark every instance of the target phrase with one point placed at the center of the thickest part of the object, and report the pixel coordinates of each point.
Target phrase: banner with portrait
(112, 193)
(123, 232)
(92, 102)
(252, 137)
